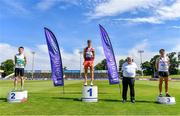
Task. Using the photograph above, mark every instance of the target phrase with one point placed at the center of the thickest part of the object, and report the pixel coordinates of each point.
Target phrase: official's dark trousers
(128, 81)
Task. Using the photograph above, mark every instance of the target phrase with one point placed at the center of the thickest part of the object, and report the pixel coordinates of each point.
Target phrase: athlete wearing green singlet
(20, 63)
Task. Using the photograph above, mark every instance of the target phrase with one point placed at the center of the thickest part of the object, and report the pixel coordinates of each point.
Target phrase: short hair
(161, 50)
(21, 47)
(89, 41)
(130, 58)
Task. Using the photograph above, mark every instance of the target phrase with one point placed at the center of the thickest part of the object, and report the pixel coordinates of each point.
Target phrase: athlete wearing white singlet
(162, 66)
(20, 60)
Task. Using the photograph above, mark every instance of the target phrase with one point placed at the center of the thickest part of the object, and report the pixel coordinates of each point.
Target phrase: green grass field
(44, 99)
(170, 76)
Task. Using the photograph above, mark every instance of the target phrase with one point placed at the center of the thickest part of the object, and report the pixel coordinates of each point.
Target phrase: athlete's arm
(157, 64)
(93, 53)
(25, 60)
(136, 66)
(15, 59)
(168, 61)
(122, 68)
(84, 53)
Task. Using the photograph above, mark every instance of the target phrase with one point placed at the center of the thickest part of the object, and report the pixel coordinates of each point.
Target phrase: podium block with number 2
(17, 96)
(90, 94)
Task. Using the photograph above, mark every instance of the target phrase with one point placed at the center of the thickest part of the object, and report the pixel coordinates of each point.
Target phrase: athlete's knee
(85, 71)
(22, 78)
(166, 82)
(92, 69)
(160, 83)
(16, 78)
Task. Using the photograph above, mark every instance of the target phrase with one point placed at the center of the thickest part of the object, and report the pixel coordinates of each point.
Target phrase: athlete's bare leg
(166, 84)
(22, 83)
(160, 84)
(15, 82)
(92, 74)
(85, 75)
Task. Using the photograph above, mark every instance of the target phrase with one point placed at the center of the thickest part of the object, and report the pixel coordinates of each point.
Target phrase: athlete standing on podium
(20, 63)
(89, 55)
(162, 66)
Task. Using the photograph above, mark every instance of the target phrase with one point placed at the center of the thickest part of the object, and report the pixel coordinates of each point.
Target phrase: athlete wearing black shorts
(162, 66)
(20, 63)
(163, 74)
(19, 72)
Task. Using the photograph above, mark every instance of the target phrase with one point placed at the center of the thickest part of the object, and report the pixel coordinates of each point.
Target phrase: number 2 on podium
(13, 95)
(90, 92)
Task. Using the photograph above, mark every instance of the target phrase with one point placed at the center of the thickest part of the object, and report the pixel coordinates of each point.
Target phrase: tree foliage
(7, 66)
(148, 66)
(101, 66)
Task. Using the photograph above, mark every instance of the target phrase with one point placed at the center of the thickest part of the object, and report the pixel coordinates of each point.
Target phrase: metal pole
(33, 53)
(63, 89)
(178, 59)
(140, 52)
(80, 63)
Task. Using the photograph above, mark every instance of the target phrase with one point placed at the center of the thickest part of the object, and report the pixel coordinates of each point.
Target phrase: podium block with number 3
(166, 100)
(90, 94)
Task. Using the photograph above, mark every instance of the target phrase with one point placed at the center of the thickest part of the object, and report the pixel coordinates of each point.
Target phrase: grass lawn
(44, 99)
(174, 76)
(171, 76)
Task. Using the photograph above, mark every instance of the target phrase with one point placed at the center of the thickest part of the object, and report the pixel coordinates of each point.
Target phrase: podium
(166, 100)
(90, 94)
(17, 96)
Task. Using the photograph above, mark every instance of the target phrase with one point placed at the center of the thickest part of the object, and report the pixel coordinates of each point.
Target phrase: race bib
(88, 54)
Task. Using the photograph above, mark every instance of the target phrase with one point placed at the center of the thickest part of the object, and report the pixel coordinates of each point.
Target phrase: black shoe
(133, 101)
(160, 95)
(123, 101)
(167, 95)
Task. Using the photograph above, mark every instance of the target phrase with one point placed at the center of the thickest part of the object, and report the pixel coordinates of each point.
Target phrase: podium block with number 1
(90, 94)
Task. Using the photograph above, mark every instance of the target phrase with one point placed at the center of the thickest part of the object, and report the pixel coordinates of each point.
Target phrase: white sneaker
(85, 84)
(91, 84)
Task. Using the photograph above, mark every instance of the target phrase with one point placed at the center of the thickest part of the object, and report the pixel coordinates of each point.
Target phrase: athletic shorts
(163, 74)
(88, 64)
(19, 72)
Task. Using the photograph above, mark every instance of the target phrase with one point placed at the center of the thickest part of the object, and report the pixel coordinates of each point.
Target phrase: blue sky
(131, 24)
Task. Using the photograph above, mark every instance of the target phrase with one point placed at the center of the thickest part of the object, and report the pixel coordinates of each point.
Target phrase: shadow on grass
(105, 100)
(3, 99)
(68, 98)
(71, 92)
(145, 101)
(79, 99)
(104, 93)
(136, 101)
(110, 100)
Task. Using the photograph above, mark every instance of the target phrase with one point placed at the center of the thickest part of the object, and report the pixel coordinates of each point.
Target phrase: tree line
(148, 66)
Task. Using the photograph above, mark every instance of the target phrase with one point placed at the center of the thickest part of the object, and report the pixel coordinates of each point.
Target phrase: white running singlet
(20, 61)
(163, 64)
